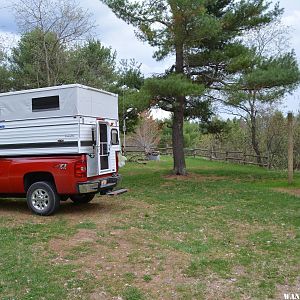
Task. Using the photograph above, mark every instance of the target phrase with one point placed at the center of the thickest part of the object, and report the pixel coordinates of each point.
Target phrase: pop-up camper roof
(58, 101)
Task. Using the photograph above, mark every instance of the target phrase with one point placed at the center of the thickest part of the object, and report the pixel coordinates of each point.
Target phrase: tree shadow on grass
(89, 209)
(13, 206)
(18, 206)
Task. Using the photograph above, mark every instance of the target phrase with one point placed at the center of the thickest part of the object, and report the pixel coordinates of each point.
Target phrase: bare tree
(63, 18)
(270, 40)
(147, 134)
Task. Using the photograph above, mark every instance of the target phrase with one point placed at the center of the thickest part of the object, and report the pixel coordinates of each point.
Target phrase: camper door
(103, 147)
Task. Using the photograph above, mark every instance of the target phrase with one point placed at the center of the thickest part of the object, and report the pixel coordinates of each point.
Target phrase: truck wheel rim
(40, 199)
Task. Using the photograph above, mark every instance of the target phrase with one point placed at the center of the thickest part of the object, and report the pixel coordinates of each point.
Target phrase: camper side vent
(45, 103)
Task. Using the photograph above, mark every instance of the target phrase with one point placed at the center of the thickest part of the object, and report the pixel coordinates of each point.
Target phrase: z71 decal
(61, 166)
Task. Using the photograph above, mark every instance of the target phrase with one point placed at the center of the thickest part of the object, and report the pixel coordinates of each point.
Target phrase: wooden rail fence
(230, 156)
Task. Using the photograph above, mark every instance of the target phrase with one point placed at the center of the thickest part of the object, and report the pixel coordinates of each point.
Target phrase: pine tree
(204, 38)
(269, 72)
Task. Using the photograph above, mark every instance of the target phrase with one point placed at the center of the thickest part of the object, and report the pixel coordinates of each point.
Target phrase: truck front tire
(42, 198)
(82, 198)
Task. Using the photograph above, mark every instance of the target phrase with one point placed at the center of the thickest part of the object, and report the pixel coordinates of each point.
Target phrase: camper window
(45, 103)
(114, 137)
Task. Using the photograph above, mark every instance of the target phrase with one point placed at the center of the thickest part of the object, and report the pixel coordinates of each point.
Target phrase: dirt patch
(220, 287)
(293, 192)
(131, 257)
(61, 246)
(119, 256)
(193, 176)
(288, 289)
(124, 258)
(242, 230)
(141, 258)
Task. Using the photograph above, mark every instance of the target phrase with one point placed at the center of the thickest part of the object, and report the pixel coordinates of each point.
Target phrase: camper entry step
(117, 192)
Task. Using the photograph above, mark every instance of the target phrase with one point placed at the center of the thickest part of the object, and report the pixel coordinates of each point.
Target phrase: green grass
(25, 268)
(86, 225)
(132, 293)
(79, 251)
(224, 224)
(236, 222)
(147, 278)
(129, 277)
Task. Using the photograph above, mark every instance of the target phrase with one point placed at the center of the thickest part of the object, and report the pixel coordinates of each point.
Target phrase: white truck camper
(62, 120)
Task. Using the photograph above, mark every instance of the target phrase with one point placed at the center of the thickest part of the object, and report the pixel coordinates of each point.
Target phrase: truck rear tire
(82, 198)
(42, 198)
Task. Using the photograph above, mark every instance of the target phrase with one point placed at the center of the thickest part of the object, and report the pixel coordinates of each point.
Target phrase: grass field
(224, 232)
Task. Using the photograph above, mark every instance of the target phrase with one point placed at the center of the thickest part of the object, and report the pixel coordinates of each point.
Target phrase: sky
(120, 36)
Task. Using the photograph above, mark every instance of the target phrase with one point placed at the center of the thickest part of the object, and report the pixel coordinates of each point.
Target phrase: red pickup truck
(58, 143)
(48, 180)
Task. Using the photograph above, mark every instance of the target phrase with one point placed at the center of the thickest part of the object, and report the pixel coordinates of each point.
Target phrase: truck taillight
(117, 161)
(80, 169)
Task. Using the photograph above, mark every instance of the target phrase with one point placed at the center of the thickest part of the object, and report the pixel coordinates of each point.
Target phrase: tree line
(230, 54)
(232, 135)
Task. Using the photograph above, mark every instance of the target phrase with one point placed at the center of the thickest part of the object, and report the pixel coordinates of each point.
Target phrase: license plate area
(94, 186)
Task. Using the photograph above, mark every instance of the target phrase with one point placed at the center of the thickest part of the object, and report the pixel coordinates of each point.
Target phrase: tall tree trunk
(178, 140)
(178, 120)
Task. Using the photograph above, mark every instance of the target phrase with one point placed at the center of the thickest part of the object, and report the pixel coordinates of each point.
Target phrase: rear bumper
(96, 186)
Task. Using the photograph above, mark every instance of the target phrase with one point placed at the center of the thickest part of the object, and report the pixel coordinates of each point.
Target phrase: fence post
(226, 157)
(290, 149)
(244, 158)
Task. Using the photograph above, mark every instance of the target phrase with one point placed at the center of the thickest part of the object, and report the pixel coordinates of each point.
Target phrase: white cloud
(292, 19)
(116, 33)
